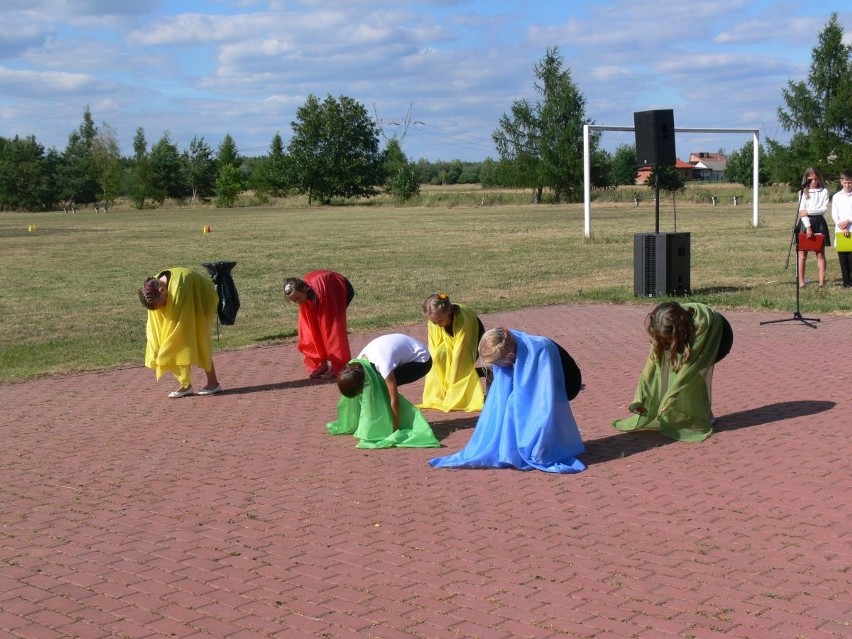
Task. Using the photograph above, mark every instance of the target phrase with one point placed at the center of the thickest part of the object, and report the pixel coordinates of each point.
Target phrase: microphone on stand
(805, 183)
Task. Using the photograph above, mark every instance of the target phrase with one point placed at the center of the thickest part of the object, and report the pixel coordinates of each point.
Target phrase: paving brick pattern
(125, 514)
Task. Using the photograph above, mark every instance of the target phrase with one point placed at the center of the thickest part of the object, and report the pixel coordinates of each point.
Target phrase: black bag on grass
(229, 299)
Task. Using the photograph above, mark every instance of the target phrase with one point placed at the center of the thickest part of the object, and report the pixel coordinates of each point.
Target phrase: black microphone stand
(797, 315)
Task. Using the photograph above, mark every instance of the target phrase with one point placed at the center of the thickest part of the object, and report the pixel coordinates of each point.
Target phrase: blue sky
(210, 67)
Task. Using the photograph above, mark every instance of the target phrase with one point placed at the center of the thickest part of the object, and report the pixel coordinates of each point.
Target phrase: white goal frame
(587, 168)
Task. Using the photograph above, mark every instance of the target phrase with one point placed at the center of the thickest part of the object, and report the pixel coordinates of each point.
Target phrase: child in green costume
(371, 407)
(674, 392)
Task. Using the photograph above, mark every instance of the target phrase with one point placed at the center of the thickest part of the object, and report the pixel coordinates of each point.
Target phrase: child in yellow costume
(453, 383)
(181, 309)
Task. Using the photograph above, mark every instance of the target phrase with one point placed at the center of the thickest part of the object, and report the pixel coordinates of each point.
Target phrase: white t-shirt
(387, 352)
(841, 208)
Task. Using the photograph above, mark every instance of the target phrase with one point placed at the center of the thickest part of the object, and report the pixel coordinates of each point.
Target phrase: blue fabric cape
(526, 422)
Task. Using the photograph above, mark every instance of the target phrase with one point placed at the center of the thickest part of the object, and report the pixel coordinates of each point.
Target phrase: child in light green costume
(364, 410)
(674, 392)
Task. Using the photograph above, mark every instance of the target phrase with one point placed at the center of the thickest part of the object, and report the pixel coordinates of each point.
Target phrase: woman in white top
(812, 206)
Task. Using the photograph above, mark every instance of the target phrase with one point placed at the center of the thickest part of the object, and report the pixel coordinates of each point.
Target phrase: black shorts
(727, 340)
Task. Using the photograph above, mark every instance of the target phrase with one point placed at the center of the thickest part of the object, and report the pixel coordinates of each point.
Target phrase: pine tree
(139, 180)
(819, 111)
(200, 169)
(542, 141)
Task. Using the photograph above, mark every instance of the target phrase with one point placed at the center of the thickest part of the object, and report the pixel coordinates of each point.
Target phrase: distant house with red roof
(709, 166)
(701, 166)
(686, 169)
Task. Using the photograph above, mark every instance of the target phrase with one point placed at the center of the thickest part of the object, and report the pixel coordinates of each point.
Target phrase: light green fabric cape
(682, 411)
(368, 417)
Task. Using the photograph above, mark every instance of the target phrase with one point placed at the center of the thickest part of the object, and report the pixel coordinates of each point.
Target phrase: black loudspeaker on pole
(655, 145)
(655, 138)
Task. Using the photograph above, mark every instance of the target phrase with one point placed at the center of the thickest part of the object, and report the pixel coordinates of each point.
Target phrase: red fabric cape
(322, 322)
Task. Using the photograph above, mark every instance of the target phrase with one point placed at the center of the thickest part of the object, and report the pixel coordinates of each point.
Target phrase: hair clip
(442, 296)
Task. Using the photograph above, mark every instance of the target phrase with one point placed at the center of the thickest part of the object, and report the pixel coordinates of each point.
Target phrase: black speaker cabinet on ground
(655, 137)
(660, 264)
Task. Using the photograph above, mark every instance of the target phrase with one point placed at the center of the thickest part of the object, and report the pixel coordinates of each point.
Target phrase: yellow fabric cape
(683, 411)
(179, 333)
(452, 383)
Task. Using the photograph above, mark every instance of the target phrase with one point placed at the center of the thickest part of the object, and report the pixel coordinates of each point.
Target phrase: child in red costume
(323, 297)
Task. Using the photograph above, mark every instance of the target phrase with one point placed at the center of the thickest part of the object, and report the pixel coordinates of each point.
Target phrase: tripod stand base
(797, 317)
(794, 241)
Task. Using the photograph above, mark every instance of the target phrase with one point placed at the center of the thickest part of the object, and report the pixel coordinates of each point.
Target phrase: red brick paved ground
(125, 514)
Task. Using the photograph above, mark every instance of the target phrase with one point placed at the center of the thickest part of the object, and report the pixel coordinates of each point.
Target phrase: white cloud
(43, 83)
(192, 28)
(206, 67)
(17, 37)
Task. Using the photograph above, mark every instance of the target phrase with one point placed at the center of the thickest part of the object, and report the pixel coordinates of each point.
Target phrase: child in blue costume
(526, 422)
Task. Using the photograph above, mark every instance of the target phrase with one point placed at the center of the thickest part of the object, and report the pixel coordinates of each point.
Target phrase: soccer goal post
(587, 165)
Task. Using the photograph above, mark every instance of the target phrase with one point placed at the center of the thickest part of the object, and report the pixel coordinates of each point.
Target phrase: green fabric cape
(368, 417)
(683, 412)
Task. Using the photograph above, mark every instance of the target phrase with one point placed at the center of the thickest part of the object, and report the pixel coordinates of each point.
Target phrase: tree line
(335, 152)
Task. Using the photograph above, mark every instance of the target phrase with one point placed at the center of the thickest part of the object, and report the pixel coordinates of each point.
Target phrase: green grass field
(69, 301)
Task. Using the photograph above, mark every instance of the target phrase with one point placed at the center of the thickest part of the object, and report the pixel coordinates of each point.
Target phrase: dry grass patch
(69, 297)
